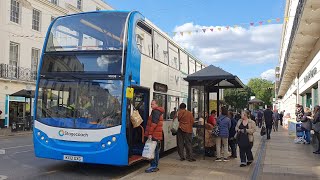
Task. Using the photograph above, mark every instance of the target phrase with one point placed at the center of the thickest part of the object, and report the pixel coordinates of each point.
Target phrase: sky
(246, 51)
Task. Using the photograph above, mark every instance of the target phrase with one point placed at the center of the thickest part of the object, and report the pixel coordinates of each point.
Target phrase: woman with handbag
(245, 129)
(316, 126)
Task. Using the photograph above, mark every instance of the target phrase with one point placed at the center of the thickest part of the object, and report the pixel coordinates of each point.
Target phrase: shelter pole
(218, 100)
(189, 98)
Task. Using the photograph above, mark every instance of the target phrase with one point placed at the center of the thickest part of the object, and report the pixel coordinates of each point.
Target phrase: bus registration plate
(73, 158)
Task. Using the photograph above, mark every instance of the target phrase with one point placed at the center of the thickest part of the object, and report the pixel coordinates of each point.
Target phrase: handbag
(216, 130)
(175, 125)
(135, 117)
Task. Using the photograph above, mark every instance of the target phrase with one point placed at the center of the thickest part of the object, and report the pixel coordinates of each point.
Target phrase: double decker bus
(88, 62)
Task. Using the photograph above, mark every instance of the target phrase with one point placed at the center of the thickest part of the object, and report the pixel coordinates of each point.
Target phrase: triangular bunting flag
(189, 32)
(181, 33)
(197, 31)
(204, 30)
(219, 29)
(235, 26)
(227, 27)
(269, 21)
(211, 29)
(278, 19)
(261, 22)
(252, 24)
(174, 33)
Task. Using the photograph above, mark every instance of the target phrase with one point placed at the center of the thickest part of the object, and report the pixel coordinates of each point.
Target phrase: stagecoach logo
(61, 133)
(310, 74)
(66, 133)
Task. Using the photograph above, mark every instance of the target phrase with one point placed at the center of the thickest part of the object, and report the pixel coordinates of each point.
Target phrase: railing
(295, 26)
(17, 73)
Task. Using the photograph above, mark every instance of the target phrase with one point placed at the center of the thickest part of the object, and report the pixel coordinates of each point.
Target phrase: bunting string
(212, 29)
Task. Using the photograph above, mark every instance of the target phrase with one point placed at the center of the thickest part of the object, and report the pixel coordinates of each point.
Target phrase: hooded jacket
(155, 124)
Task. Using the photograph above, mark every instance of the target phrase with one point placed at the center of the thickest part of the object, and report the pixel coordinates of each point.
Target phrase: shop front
(18, 110)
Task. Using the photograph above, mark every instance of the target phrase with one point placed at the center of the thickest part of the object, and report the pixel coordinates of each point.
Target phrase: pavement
(278, 158)
(7, 132)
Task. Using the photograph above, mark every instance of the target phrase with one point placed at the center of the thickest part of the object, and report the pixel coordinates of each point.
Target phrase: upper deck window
(88, 31)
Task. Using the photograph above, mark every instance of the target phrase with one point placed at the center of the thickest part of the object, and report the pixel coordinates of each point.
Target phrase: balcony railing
(295, 26)
(17, 73)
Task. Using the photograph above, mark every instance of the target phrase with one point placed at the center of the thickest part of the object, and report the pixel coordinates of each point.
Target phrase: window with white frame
(54, 2)
(192, 66)
(36, 20)
(174, 56)
(79, 4)
(14, 59)
(35, 54)
(15, 11)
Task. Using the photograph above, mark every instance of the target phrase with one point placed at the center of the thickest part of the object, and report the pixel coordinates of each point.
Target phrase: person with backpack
(306, 124)
(224, 124)
(259, 118)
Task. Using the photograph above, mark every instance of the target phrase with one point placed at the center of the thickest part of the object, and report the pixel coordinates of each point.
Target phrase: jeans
(184, 140)
(276, 125)
(233, 146)
(268, 132)
(246, 154)
(307, 135)
(225, 147)
(155, 161)
(259, 123)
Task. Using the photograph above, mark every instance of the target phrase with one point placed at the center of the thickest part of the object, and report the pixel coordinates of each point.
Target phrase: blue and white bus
(82, 111)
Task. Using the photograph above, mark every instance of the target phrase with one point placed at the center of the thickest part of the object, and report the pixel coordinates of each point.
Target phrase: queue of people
(233, 130)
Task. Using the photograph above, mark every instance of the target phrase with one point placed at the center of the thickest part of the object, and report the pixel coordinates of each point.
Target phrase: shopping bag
(135, 118)
(316, 127)
(175, 125)
(263, 130)
(149, 149)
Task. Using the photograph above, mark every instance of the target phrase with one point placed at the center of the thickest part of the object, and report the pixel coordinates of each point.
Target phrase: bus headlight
(109, 143)
(103, 145)
(47, 141)
(39, 133)
(42, 138)
(114, 139)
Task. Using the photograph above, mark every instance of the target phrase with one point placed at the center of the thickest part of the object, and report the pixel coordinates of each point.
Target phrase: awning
(24, 93)
(213, 76)
(255, 101)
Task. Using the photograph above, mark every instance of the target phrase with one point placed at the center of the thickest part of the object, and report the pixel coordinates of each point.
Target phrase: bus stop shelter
(203, 84)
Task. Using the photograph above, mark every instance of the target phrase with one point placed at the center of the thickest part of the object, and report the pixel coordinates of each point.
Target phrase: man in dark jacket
(268, 119)
(154, 131)
(232, 133)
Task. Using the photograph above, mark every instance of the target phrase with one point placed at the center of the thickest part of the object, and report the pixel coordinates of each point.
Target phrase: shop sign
(17, 98)
(310, 74)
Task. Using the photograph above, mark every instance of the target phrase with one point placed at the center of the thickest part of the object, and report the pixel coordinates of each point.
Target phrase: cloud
(253, 45)
(268, 75)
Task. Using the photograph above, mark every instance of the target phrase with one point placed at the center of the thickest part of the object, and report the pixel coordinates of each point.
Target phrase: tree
(263, 89)
(238, 98)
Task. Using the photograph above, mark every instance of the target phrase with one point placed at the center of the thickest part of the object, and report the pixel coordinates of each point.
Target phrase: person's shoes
(317, 152)
(151, 169)
(243, 165)
(191, 160)
(218, 160)
(182, 159)
(226, 159)
(248, 163)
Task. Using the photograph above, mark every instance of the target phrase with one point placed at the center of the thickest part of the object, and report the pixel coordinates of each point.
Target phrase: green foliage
(263, 89)
(238, 98)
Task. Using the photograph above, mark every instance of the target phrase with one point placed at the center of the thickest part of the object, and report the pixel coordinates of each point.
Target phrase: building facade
(23, 26)
(298, 76)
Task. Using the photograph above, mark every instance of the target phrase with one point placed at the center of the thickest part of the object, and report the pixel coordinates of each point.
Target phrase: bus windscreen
(90, 31)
